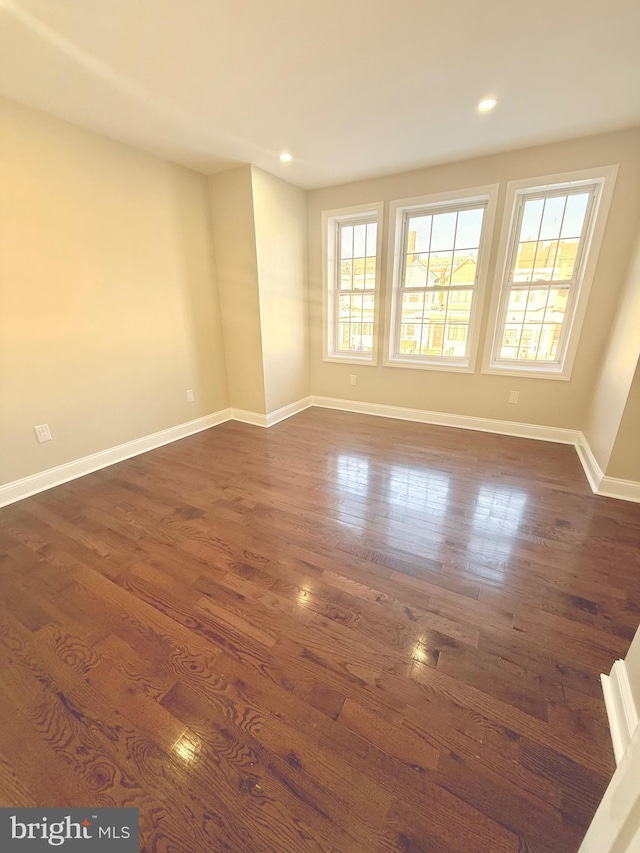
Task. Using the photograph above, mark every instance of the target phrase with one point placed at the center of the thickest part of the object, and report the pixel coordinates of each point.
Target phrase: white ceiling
(352, 88)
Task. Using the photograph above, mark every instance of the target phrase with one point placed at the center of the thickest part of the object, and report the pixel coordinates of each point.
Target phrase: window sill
(447, 367)
(527, 373)
(351, 358)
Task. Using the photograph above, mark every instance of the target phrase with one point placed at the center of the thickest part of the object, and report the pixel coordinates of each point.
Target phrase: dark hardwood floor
(345, 633)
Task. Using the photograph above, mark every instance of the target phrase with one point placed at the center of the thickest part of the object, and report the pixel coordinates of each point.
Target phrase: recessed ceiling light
(486, 105)
(285, 157)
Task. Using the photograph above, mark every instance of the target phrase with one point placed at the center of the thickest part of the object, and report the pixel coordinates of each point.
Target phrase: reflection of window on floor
(496, 521)
(419, 489)
(417, 498)
(352, 473)
(352, 482)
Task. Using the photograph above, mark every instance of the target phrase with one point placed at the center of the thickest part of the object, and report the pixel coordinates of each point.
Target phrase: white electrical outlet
(190, 397)
(514, 396)
(43, 433)
(353, 379)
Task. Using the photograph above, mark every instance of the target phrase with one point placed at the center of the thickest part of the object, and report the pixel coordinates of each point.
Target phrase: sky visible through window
(441, 231)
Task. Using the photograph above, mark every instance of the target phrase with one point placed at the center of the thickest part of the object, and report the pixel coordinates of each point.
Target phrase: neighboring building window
(352, 275)
(440, 265)
(549, 250)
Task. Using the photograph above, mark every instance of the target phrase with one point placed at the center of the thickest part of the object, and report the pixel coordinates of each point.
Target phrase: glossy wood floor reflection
(341, 634)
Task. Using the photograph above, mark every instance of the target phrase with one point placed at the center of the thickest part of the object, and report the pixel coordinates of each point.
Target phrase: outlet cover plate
(43, 433)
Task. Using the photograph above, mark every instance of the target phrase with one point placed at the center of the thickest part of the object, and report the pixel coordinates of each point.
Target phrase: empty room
(319, 426)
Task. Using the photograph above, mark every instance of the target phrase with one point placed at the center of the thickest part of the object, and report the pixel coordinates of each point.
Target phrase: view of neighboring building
(435, 317)
(357, 287)
(536, 311)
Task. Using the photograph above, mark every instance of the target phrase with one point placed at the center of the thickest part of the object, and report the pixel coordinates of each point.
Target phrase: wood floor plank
(341, 634)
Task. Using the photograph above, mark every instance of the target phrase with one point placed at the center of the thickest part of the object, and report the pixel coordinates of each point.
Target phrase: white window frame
(517, 192)
(487, 195)
(331, 219)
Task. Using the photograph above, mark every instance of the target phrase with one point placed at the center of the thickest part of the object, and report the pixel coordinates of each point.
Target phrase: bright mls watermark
(79, 830)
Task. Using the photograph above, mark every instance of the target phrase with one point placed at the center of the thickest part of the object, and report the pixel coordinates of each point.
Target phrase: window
(547, 259)
(439, 259)
(352, 274)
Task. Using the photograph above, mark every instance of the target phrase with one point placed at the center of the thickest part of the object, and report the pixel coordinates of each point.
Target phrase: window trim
(488, 195)
(588, 259)
(330, 221)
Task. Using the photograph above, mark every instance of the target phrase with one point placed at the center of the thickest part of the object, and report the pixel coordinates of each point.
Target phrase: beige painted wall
(237, 270)
(625, 458)
(108, 303)
(613, 383)
(110, 309)
(280, 215)
(553, 402)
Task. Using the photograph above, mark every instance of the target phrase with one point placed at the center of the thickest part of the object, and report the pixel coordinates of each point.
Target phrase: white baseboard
(27, 486)
(246, 417)
(610, 487)
(606, 486)
(590, 464)
(19, 489)
(621, 709)
(273, 418)
(624, 490)
(521, 430)
(288, 411)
